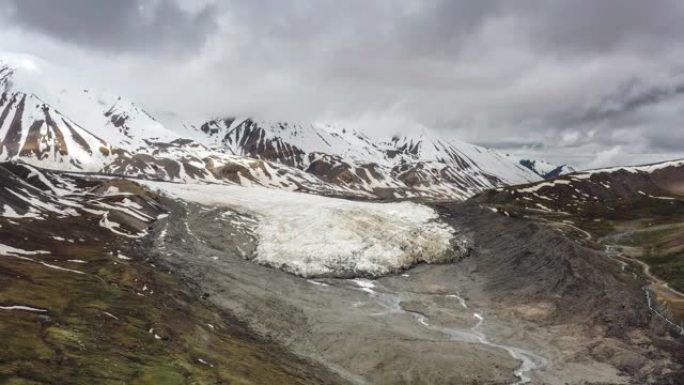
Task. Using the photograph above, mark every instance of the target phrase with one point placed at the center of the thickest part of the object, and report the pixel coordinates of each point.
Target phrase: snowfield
(311, 235)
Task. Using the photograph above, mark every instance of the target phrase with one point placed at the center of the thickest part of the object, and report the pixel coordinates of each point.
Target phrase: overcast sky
(588, 82)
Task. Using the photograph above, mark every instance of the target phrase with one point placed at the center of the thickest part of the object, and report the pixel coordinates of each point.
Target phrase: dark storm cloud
(116, 24)
(438, 27)
(624, 102)
(598, 26)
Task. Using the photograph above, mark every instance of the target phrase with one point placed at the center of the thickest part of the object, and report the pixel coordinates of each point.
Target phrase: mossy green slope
(111, 320)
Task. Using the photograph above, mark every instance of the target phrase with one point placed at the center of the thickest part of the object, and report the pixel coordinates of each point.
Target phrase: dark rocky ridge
(525, 261)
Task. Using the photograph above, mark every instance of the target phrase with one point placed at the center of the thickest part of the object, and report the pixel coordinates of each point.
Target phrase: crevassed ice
(312, 235)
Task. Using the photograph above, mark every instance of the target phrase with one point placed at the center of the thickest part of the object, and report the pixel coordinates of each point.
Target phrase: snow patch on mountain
(645, 168)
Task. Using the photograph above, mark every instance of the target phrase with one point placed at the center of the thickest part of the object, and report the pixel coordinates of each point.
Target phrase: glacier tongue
(318, 236)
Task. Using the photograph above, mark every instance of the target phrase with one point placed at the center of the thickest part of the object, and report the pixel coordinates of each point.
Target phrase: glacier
(315, 236)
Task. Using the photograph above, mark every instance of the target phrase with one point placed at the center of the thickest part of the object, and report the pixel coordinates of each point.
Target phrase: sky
(585, 82)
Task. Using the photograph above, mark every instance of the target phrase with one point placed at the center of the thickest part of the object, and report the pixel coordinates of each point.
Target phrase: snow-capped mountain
(118, 121)
(399, 167)
(611, 189)
(48, 122)
(32, 129)
(546, 170)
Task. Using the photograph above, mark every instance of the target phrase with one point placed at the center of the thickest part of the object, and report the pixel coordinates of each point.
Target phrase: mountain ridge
(109, 134)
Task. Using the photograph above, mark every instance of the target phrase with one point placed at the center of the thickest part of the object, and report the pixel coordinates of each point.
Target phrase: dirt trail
(646, 269)
(665, 296)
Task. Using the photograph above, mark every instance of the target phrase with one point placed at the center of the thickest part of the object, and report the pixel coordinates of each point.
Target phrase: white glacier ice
(311, 235)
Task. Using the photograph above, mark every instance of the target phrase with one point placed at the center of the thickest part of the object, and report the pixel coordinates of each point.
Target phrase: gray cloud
(624, 104)
(667, 140)
(119, 25)
(566, 79)
(600, 26)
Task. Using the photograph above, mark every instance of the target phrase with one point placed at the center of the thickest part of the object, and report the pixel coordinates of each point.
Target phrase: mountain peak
(546, 170)
(56, 124)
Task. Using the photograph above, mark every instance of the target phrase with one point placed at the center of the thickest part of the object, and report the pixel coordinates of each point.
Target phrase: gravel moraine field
(518, 307)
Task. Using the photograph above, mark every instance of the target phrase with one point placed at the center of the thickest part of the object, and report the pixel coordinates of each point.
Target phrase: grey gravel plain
(527, 305)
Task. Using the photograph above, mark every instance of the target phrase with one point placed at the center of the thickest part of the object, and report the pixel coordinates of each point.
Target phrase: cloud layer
(586, 82)
(116, 25)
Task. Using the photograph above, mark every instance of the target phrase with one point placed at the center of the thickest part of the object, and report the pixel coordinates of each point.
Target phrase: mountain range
(59, 125)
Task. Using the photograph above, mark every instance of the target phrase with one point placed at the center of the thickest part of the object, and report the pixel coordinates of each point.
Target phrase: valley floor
(434, 324)
(103, 281)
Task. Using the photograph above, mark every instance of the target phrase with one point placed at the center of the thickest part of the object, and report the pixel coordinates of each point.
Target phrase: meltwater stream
(392, 302)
